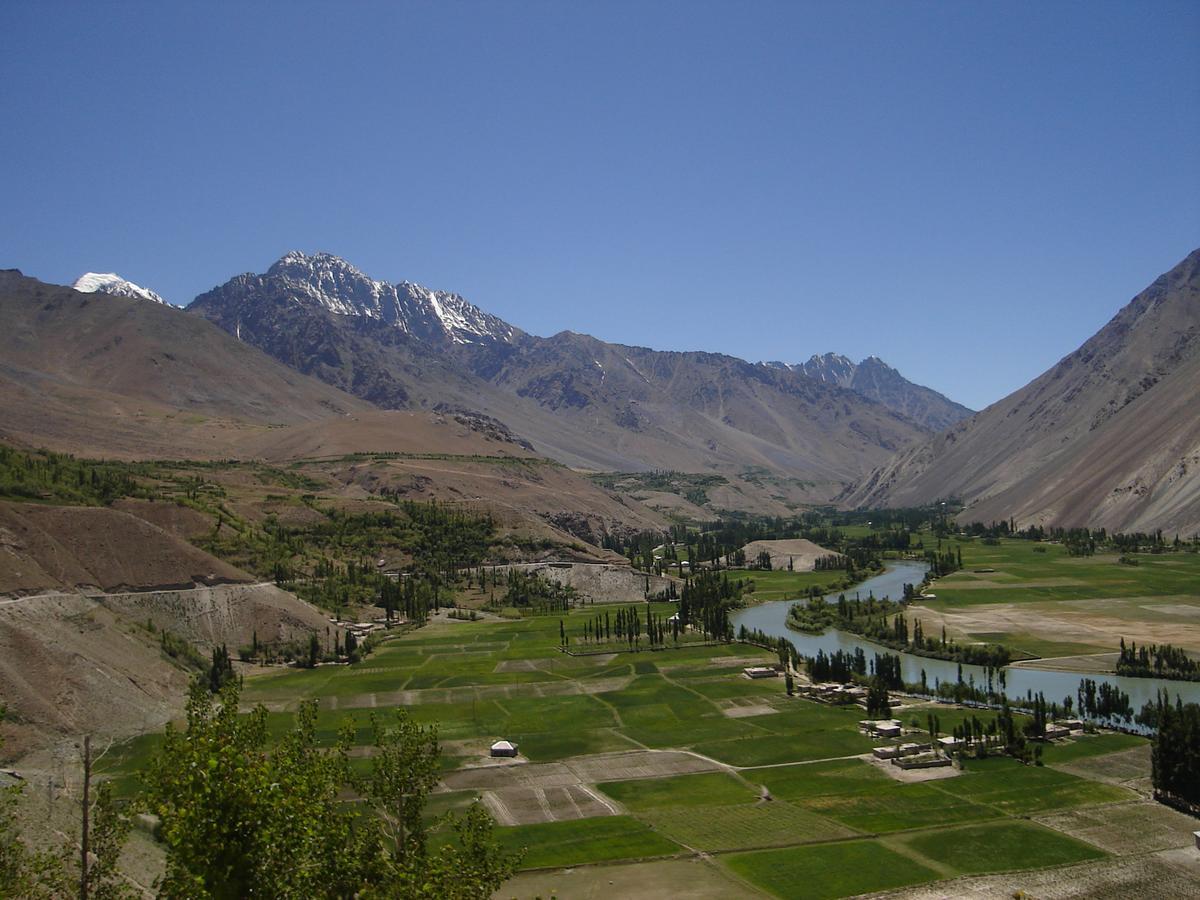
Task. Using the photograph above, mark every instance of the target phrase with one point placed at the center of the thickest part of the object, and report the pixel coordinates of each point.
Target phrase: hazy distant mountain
(114, 284)
(1109, 436)
(578, 399)
(877, 380)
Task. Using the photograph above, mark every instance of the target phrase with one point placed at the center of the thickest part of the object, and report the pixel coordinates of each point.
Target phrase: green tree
(56, 872)
(24, 872)
(314, 650)
(244, 817)
(878, 702)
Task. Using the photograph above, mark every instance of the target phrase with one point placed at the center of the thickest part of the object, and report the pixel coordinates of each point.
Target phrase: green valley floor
(669, 773)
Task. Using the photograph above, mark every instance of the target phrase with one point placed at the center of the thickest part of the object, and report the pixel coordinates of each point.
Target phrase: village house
(881, 727)
(760, 672)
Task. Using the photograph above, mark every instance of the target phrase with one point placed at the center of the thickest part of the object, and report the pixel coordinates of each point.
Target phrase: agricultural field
(1037, 599)
(780, 584)
(638, 768)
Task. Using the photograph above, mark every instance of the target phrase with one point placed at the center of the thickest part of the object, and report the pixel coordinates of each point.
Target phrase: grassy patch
(843, 776)
(1001, 847)
(785, 585)
(708, 789)
(550, 746)
(1090, 745)
(584, 841)
(1026, 571)
(1014, 789)
(829, 870)
(894, 807)
(744, 827)
(770, 749)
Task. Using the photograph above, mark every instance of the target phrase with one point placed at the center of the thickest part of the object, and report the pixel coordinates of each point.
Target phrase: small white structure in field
(761, 672)
(950, 742)
(1056, 731)
(504, 748)
(881, 727)
(1196, 835)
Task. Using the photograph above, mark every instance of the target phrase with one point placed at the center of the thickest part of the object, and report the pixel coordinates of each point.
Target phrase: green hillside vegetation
(60, 478)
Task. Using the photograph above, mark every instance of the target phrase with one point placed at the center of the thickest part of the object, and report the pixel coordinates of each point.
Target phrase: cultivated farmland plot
(635, 763)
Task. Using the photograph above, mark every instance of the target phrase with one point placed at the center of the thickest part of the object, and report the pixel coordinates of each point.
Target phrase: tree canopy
(247, 816)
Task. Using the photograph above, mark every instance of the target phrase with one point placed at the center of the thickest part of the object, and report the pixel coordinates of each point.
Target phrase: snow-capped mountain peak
(113, 284)
(876, 380)
(416, 310)
(831, 368)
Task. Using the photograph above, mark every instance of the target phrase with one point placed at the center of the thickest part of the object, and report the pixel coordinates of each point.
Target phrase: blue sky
(968, 190)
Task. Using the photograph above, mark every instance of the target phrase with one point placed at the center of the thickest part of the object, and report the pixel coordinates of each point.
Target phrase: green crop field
(605, 725)
(1057, 591)
(843, 776)
(895, 807)
(585, 841)
(1013, 789)
(1026, 571)
(780, 584)
(830, 870)
(742, 827)
(707, 789)
(1000, 846)
(1090, 745)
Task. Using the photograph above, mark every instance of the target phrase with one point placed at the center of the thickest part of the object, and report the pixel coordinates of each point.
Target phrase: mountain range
(115, 377)
(876, 380)
(586, 402)
(1108, 436)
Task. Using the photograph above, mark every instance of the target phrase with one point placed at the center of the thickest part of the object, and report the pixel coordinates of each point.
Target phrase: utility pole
(87, 785)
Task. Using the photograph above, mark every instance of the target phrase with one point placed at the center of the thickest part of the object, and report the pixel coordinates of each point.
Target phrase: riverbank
(1055, 677)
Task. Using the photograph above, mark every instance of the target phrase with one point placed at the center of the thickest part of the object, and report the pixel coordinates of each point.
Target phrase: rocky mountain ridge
(417, 311)
(875, 379)
(583, 401)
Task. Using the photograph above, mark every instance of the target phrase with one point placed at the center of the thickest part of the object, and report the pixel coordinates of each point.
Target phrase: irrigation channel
(771, 618)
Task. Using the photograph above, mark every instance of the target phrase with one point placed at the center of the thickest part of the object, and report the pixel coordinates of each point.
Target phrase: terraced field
(638, 763)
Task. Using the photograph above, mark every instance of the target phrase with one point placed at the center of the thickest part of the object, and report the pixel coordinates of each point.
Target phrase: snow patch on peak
(114, 285)
(830, 368)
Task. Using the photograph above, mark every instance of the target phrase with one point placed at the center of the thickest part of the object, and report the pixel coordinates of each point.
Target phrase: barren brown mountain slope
(74, 663)
(71, 547)
(1108, 437)
(111, 374)
(103, 376)
(78, 586)
(69, 666)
